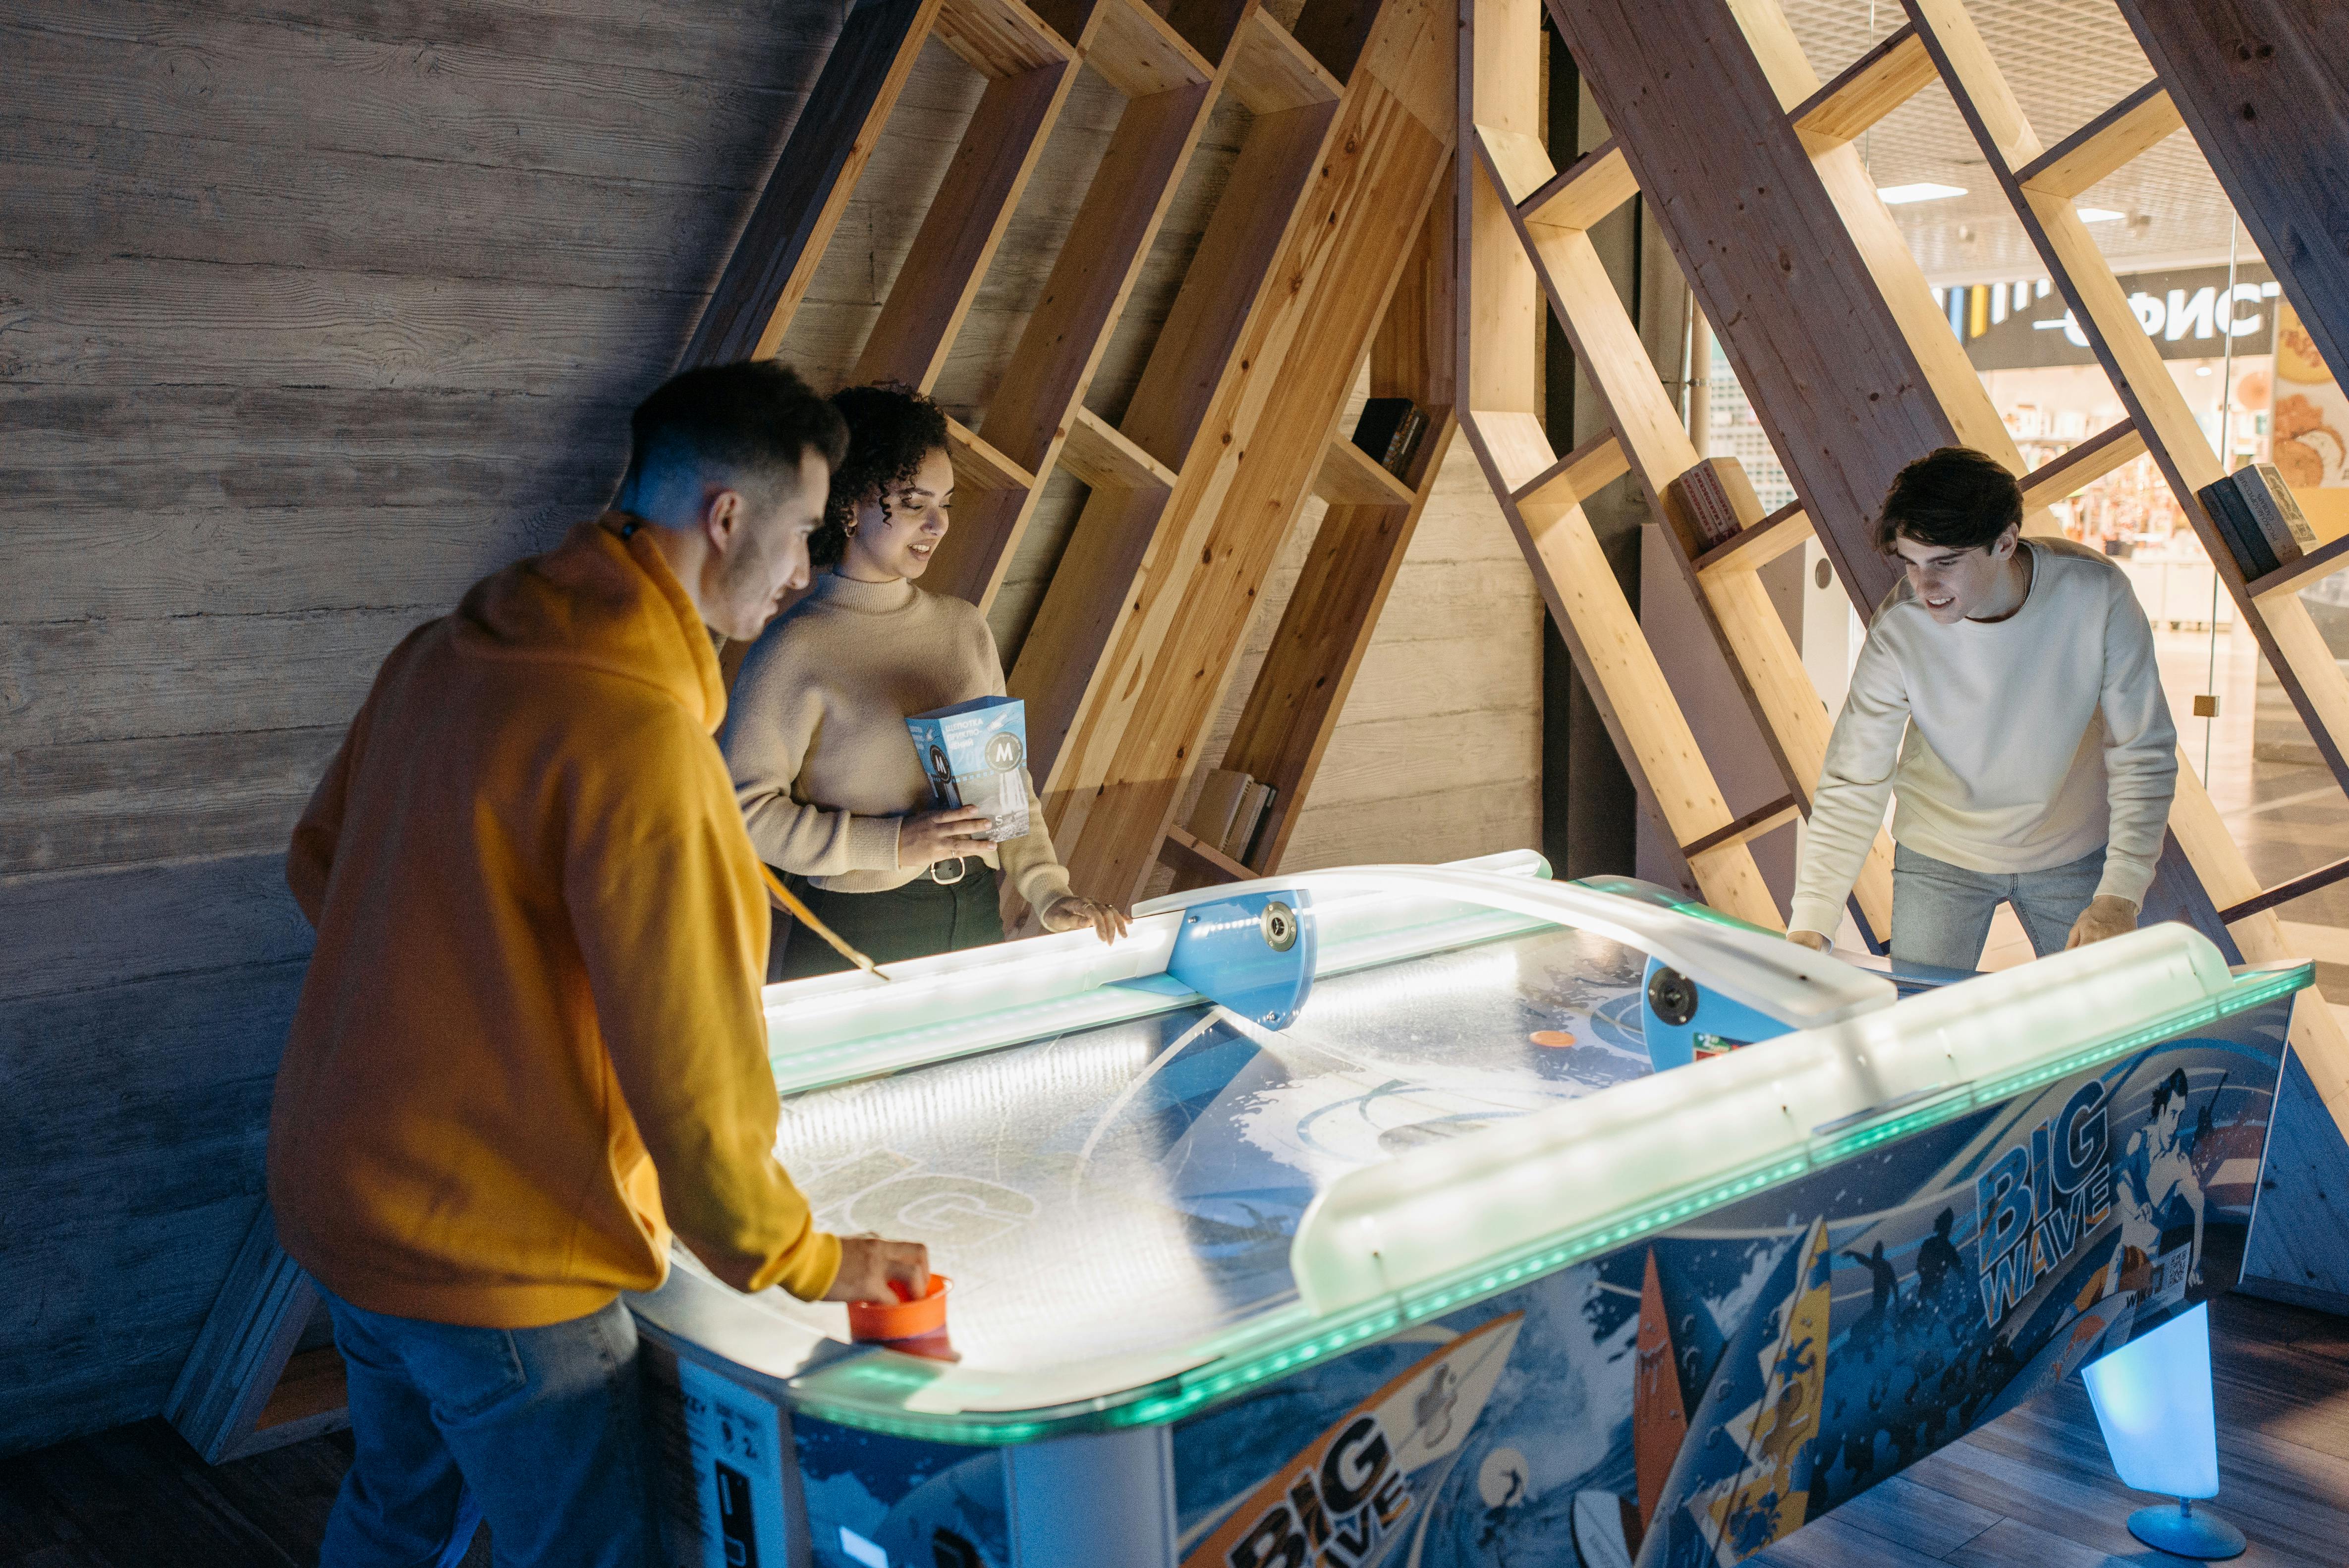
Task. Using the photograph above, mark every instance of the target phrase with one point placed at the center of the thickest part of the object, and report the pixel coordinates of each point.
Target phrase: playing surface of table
(1135, 1187)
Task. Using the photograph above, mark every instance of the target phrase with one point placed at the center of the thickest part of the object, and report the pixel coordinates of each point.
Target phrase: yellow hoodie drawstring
(801, 913)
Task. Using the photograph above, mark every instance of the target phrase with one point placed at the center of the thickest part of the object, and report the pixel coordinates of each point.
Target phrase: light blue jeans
(1942, 913)
(539, 1430)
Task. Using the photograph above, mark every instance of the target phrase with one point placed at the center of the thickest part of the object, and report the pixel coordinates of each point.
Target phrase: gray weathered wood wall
(310, 314)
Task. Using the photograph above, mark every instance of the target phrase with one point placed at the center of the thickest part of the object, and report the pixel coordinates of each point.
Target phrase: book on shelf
(1218, 803)
(2276, 511)
(1380, 422)
(1242, 837)
(1404, 445)
(2239, 528)
(1712, 504)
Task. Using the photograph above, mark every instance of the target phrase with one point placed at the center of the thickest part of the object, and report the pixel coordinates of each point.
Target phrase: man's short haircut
(751, 422)
(1954, 499)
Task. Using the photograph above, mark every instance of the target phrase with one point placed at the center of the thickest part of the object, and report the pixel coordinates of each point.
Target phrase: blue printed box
(973, 753)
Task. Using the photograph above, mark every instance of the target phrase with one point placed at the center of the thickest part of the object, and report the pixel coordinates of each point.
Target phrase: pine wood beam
(2075, 470)
(999, 38)
(1097, 452)
(1574, 478)
(768, 275)
(1141, 53)
(1751, 549)
(1299, 693)
(1181, 616)
(1198, 863)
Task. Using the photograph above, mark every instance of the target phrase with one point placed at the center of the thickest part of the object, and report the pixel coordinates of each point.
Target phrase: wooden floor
(2032, 1490)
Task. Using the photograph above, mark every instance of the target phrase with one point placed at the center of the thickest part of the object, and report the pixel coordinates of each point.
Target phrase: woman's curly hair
(890, 428)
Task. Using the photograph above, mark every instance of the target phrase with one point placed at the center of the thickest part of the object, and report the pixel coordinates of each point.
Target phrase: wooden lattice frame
(1524, 221)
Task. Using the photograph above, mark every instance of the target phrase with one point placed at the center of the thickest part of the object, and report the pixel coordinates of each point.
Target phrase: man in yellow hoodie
(530, 1045)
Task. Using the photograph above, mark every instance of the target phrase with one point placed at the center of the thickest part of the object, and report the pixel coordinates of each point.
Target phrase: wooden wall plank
(70, 808)
(168, 1079)
(81, 931)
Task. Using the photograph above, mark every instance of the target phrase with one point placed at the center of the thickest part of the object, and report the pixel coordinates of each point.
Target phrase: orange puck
(1552, 1039)
(902, 1318)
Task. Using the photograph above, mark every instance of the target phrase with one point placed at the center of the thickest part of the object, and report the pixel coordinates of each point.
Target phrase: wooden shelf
(1349, 476)
(1750, 547)
(2107, 143)
(1196, 857)
(1576, 477)
(1271, 71)
(980, 466)
(1762, 820)
(1590, 188)
(2082, 466)
(2292, 577)
(1100, 455)
(999, 38)
(1870, 87)
(1141, 53)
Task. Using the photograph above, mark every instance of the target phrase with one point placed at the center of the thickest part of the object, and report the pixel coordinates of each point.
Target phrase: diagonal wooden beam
(768, 275)
(2075, 470)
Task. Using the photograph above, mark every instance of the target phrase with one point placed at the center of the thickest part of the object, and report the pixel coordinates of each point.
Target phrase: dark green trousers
(911, 922)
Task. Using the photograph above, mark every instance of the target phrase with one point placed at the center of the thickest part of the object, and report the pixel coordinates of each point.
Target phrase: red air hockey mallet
(907, 1317)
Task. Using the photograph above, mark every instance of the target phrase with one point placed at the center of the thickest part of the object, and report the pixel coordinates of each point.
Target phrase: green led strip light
(1192, 1391)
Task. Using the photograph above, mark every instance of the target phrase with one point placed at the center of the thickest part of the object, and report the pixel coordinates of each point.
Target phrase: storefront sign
(2192, 314)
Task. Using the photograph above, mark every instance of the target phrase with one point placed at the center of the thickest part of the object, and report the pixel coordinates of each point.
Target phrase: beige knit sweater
(815, 734)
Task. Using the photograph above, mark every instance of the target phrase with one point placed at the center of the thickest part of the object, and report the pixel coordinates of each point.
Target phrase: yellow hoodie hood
(531, 1038)
(605, 599)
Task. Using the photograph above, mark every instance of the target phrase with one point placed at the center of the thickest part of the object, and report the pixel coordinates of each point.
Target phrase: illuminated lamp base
(2177, 1529)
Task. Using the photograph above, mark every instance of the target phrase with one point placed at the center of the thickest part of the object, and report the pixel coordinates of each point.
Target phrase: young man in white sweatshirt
(2009, 697)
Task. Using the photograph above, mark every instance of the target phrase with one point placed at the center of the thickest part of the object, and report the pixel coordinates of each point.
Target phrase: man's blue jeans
(1942, 913)
(544, 1426)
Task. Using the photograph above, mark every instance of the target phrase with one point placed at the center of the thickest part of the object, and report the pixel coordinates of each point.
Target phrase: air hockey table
(1449, 1215)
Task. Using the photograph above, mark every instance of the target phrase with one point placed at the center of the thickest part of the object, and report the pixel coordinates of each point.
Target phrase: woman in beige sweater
(815, 732)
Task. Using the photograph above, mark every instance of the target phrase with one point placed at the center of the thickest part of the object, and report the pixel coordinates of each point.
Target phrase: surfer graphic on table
(2153, 1182)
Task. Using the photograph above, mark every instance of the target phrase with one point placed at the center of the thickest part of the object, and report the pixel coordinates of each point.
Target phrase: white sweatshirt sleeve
(2140, 749)
(1847, 807)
